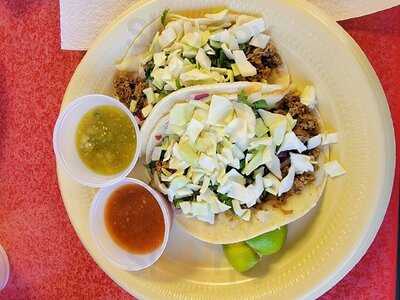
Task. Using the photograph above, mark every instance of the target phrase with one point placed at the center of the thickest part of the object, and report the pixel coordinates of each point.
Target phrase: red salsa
(134, 219)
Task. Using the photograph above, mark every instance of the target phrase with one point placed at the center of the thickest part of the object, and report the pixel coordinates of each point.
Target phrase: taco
(177, 51)
(237, 159)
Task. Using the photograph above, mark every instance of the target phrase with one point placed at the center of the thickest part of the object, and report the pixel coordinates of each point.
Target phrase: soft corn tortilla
(139, 46)
(163, 107)
(228, 228)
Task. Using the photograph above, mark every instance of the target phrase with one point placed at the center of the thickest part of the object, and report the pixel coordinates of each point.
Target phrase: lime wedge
(269, 242)
(241, 256)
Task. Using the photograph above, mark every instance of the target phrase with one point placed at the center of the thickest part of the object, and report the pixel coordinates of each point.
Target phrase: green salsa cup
(115, 137)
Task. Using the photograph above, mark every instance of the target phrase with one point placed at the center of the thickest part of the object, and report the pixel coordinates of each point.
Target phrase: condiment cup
(4, 268)
(64, 140)
(114, 253)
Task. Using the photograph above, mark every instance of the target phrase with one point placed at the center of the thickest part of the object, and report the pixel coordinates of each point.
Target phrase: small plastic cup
(64, 140)
(114, 253)
(4, 268)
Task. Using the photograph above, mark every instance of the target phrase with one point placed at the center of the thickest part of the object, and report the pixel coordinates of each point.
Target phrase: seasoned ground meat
(301, 133)
(291, 104)
(274, 200)
(307, 123)
(285, 167)
(129, 87)
(306, 127)
(301, 180)
(267, 57)
(264, 60)
(314, 153)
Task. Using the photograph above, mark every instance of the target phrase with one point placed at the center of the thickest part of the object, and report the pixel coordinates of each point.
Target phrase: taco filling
(231, 153)
(214, 48)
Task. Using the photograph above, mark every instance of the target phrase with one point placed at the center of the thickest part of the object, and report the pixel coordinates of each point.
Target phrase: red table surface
(47, 259)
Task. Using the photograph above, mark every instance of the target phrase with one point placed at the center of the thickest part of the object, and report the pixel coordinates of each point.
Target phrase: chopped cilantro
(245, 47)
(224, 199)
(164, 17)
(162, 92)
(223, 60)
(178, 83)
(260, 104)
(215, 45)
(264, 195)
(242, 164)
(220, 146)
(228, 168)
(242, 97)
(177, 202)
(192, 60)
(221, 197)
(252, 151)
(148, 68)
(220, 60)
(249, 179)
(152, 165)
(162, 155)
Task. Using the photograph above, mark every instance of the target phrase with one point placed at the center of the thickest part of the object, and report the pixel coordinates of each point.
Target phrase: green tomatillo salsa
(106, 140)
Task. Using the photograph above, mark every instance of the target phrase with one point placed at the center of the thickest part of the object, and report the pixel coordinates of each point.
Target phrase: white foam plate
(332, 238)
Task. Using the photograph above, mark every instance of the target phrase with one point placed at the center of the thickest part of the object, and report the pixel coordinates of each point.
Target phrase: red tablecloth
(47, 259)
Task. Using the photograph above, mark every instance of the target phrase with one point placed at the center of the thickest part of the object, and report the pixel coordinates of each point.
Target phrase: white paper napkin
(347, 9)
(83, 20)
